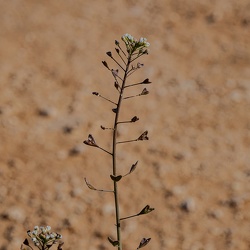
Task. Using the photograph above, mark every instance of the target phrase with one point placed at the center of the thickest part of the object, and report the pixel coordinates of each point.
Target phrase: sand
(194, 170)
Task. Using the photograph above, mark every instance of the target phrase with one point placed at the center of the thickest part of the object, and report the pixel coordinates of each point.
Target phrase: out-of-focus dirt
(194, 169)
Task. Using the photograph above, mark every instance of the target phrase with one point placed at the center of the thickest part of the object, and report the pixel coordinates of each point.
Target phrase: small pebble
(188, 205)
(16, 214)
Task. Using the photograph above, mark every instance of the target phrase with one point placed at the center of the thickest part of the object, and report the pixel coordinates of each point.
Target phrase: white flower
(34, 239)
(42, 235)
(35, 232)
(58, 236)
(132, 44)
(37, 243)
(52, 235)
(43, 230)
(130, 38)
(127, 38)
(143, 42)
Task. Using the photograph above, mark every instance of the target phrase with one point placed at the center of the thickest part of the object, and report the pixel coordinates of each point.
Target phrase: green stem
(118, 226)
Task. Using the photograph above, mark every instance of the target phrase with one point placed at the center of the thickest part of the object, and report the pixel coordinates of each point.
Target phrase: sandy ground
(195, 167)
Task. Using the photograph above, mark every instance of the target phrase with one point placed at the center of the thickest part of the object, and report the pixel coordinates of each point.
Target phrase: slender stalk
(104, 150)
(118, 226)
(118, 63)
(128, 217)
(119, 142)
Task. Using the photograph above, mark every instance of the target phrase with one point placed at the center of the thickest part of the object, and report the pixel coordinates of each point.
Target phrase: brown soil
(194, 169)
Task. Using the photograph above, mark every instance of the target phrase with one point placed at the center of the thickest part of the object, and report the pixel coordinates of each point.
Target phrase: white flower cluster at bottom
(43, 236)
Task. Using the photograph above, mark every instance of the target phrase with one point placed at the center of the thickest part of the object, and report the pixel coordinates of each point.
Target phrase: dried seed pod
(113, 242)
(117, 86)
(109, 53)
(134, 119)
(133, 167)
(116, 178)
(140, 65)
(144, 242)
(144, 92)
(143, 136)
(146, 81)
(105, 64)
(89, 185)
(147, 209)
(115, 72)
(90, 141)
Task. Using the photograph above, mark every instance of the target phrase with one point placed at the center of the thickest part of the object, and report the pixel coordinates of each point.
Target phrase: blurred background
(195, 167)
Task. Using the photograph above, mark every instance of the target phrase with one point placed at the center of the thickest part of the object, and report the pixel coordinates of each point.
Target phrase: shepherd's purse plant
(126, 61)
(127, 65)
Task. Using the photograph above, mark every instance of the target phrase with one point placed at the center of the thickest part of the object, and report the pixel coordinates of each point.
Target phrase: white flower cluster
(132, 44)
(127, 38)
(43, 236)
(143, 41)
